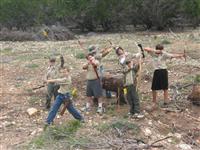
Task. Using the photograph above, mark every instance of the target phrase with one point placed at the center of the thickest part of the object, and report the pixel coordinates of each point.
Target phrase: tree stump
(114, 83)
(194, 97)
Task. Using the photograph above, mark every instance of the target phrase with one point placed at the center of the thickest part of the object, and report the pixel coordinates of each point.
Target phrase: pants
(101, 71)
(52, 90)
(58, 102)
(133, 99)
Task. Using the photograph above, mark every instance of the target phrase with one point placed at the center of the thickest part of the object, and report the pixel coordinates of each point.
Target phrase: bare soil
(23, 66)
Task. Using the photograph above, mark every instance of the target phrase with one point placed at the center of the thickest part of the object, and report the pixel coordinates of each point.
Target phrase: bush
(80, 55)
(53, 134)
(165, 42)
(92, 15)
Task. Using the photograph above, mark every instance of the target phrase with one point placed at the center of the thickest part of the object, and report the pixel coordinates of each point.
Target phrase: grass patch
(80, 55)
(61, 136)
(197, 79)
(119, 124)
(103, 127)
(111, 110)
(33, 100)
(6, 51)
(32, 66)
(31, 56)
(17, 85)
(165, 41)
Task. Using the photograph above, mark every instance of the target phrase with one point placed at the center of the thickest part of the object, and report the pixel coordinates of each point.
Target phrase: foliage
(197, 79)
(32, 66)
(91, 15)
(119, 124)
(80, 55)
(53, 134)
(192, 10)
(165, 41)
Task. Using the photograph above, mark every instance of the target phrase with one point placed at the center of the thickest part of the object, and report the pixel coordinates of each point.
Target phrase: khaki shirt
(91, 74)
(65, 84)
(159, 60)
(99, 57)
(52, 72)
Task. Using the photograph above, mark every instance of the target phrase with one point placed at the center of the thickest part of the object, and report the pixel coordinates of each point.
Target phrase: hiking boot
(100, 110)
(164, 105)
(138, 115)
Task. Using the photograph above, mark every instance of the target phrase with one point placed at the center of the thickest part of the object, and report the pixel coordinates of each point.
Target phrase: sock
(100, 105)
(87, 105)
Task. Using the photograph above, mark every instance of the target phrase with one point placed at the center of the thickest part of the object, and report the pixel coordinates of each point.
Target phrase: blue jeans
(58, 102)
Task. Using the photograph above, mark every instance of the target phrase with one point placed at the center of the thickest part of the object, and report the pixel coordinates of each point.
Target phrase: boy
(63, 95)
(94, 88)
(130, 71)
(122, 55)
(99, 55)
(52, 88)
(160, 76)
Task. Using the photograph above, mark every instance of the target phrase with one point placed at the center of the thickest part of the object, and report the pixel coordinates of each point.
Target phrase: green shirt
(52, 72)
(130, 74)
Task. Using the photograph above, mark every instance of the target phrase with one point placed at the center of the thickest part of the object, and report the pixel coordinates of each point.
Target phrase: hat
(52, 58)
(92, 48)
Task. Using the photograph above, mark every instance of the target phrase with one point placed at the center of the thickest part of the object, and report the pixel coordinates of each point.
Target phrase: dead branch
(118, 131)
(152, 144)
(193, 118)
(39, 87)
(191, 141)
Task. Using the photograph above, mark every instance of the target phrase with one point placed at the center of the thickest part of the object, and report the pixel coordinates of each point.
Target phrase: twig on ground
(160, 140)
(198, 120)
(191, 141)
(118, 131)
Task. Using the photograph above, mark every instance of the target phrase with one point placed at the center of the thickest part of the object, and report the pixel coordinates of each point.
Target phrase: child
(52, 88)
(64, 95)
(122, 55)
(160, 76)
(94, 88)
(130, 71)
(99, 55)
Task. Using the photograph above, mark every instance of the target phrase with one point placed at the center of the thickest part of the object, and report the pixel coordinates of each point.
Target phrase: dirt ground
(23, 66)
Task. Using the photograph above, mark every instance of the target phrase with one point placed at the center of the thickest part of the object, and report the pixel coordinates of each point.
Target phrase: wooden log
(114, 83)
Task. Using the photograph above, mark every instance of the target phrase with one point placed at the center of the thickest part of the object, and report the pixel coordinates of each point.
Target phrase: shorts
(94, 88)
(160, 80)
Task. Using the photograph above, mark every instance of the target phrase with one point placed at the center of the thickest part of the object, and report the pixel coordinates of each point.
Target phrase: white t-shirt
(159, 60)
(123, 58)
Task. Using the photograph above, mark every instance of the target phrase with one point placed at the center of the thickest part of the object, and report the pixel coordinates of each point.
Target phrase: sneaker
(138, 115)
(129, 114)
(164, 105)
(100, 110)
(85, 109)
(46, 126)
(82, 120)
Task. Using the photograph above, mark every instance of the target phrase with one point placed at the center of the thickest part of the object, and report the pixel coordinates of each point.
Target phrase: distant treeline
(108, 15)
